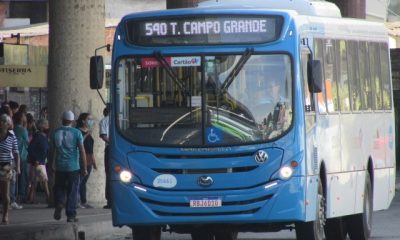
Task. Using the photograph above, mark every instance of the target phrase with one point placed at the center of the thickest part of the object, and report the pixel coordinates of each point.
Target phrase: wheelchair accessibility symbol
(213, 135)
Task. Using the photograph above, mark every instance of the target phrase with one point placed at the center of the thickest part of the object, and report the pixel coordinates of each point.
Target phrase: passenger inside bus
(275, 109)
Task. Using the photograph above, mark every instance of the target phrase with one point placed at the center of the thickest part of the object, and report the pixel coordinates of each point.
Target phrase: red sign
(150, 62)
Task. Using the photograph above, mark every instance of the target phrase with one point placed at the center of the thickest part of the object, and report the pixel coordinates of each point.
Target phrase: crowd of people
(25, 148)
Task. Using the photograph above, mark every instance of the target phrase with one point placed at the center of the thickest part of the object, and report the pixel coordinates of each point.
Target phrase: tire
(335, 229)
(226, 236)
(146, 233)
(361, 224)
(313, 230)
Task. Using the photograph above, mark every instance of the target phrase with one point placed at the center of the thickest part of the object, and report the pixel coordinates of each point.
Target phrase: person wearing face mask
(85, 124)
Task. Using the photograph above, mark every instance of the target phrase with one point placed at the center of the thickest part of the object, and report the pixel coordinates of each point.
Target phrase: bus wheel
(335, 229)
(360, 224)
(313, 230)
(226, 235)
(146, 233)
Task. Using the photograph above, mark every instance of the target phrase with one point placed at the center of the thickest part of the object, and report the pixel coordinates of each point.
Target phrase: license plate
(206, 202)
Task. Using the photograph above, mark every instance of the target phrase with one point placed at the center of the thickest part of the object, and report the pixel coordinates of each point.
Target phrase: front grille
(186, 204)
(241, 207)
(161, 213)
(215, 156)
(205, 171)
(260, 199)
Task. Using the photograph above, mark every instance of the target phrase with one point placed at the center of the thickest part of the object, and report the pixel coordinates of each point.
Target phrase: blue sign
(213, 135)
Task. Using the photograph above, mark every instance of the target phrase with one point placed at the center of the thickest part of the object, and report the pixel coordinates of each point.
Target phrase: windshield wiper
(236, 69)
(176, 121)
(170, 71)
(236, 115)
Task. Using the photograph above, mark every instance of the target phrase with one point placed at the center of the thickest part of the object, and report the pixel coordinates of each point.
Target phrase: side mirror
(96, 72)
(1, 49)
(1, 53)
(315, 79)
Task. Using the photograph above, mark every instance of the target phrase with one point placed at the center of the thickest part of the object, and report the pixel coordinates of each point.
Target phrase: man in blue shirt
(67, 143)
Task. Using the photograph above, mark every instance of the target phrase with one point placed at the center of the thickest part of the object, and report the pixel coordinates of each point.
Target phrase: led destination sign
(205, 30)
(206, 27)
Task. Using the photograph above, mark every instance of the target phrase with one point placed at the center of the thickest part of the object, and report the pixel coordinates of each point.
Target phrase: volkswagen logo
(261, 156)
(205, 181)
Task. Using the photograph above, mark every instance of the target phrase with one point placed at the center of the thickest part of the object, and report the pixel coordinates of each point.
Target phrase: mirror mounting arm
(108, 46)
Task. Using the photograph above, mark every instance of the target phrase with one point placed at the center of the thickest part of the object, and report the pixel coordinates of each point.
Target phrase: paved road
(386, 226)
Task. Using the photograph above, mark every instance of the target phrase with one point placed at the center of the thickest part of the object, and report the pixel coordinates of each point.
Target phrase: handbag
(5, 172)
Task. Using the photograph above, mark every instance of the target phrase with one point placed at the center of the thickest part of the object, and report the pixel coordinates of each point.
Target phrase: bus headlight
(285, 172)
(125, 176)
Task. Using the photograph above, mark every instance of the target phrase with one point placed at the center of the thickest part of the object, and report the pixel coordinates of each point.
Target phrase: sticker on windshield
(194, 101)
(188, 61)
(185, 61)
(150, 62)
(213, 135)
(165, 181)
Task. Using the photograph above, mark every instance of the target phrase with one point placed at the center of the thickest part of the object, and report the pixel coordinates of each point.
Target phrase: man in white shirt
(104, 125)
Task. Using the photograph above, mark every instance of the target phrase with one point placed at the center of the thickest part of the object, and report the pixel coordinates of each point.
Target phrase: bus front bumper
(274, 202)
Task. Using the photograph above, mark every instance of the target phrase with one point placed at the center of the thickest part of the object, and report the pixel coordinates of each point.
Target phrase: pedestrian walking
(9, 156)
(22, 136)
(37, 155)
(85, 124)
(67, 143)
(10, 109)
(104, 125)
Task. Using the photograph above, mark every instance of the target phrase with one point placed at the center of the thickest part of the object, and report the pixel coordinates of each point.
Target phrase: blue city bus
(250, 117)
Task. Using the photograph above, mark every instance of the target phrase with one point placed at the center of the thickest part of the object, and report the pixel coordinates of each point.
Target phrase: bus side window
(354, 76)
(375, 65)
(318, 55)
(343, 76)
(365, 83)
(309, 105)
(331, 78)
(385, 75)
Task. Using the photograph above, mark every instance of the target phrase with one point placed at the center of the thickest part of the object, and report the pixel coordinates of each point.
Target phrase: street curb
(95, 230)
(68, 231)
(60, 232)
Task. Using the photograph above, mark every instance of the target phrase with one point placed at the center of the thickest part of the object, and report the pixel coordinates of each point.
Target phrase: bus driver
(277, 114)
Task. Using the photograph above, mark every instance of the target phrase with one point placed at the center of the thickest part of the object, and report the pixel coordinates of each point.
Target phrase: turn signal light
(117, 168)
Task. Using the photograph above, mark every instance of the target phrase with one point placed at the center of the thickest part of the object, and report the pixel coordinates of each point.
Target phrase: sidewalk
(35, 221)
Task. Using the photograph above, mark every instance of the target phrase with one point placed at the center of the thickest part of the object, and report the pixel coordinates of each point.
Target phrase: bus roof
(302, 7)
(346, 28)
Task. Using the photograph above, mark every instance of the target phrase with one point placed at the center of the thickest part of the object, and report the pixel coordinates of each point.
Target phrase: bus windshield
(190, 101)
